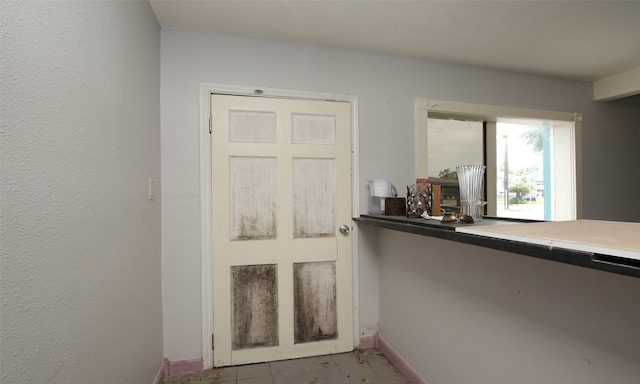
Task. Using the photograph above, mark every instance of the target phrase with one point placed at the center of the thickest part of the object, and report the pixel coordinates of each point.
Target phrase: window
(532, 156)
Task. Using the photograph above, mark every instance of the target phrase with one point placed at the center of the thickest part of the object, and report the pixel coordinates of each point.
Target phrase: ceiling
(583, 40)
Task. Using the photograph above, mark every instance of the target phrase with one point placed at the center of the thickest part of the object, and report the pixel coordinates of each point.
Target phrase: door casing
(206, 243)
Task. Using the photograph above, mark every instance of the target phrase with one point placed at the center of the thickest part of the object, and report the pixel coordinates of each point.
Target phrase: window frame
(569, 178)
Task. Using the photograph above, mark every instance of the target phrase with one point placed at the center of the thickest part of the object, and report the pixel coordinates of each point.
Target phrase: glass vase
(470, 180)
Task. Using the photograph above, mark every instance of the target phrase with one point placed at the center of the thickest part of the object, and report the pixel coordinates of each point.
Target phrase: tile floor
(357, 367)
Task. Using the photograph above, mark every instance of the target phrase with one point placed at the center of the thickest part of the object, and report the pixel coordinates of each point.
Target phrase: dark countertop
(447, 231)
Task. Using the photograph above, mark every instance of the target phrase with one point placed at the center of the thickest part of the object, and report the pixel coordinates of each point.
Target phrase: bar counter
(604, 245)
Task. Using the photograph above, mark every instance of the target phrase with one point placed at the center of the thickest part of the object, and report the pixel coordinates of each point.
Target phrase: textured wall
(80, 258)
(462, 314)
(386, 87)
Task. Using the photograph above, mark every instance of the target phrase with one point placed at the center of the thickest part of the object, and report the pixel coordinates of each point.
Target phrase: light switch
(152, 189)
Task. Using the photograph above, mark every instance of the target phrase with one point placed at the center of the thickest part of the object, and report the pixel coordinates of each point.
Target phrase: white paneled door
(281, 190)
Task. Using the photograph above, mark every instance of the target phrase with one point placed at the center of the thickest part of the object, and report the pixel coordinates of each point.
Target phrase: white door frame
(206, 243)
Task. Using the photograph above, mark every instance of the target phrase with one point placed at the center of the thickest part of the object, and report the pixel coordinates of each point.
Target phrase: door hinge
(210, 125)
(212, 347)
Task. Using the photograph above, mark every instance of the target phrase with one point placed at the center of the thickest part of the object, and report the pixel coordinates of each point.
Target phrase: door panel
(254, 306)
(313, 129)
(252, 126)
(281, 185)
(315, 301)
(314, 198)
(253, 198)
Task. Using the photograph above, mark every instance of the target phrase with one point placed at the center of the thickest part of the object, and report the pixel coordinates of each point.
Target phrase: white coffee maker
(379, 191)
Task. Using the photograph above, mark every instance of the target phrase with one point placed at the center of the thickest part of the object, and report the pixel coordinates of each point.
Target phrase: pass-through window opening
(532, 156)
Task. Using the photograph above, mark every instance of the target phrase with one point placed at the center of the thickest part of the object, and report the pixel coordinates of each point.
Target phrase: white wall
(386, 87)
(462, 314)
(80, 274)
